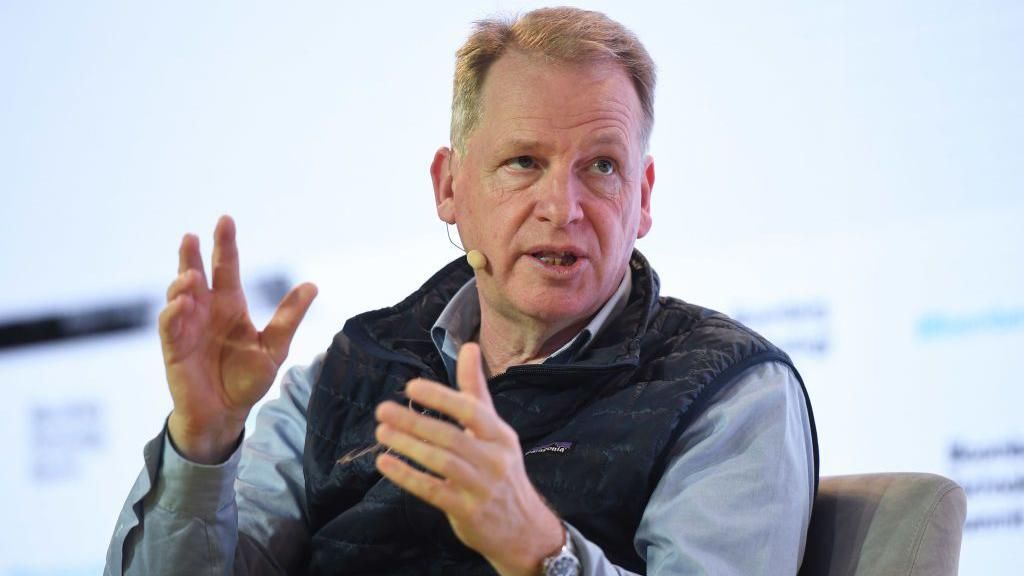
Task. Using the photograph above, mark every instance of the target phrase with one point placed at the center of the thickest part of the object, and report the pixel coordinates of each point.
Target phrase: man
(587, 426)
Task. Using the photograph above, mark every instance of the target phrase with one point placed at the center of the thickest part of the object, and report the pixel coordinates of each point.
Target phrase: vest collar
(402, 332)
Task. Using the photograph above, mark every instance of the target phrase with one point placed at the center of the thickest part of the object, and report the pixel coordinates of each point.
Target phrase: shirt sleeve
(244, 516)
(736, 496)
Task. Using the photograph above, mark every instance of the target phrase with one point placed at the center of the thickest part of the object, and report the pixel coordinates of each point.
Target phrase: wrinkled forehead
(532, 92)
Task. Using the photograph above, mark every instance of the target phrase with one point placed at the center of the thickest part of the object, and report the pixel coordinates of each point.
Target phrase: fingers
(225, 256)
(435, 432)
(469, 373)
(189, 282)
(173, 316)
(181, 301)
(435, 491)
(446, 464)
(189, 257)
(182, 293)
(476, 415)
(277, 336)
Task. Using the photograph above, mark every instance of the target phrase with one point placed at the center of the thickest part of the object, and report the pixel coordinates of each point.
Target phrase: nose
(560, 194)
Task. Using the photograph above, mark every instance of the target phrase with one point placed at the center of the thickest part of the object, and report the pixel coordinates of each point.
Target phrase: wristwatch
(564, 562)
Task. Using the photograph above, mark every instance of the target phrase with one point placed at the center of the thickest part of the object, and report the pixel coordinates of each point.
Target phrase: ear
(441, 175)
(646, 186)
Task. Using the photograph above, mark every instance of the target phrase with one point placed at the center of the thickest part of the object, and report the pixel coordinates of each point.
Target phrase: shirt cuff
(190, 489)
(593, 562)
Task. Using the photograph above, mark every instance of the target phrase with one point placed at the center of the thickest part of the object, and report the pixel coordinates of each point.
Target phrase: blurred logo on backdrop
(800, 328)
(63, 436)
(990, 470)
(992, 476)
(936, 325)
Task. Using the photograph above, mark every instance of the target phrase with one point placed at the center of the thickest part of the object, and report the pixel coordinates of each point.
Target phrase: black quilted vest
(615, 412)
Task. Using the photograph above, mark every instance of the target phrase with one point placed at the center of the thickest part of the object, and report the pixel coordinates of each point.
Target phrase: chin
(563, 310)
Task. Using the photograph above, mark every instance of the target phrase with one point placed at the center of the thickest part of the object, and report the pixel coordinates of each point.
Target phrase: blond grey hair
(565, 34)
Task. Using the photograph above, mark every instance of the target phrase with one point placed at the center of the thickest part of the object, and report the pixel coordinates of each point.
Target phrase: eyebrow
(609, 138)
(520, 144)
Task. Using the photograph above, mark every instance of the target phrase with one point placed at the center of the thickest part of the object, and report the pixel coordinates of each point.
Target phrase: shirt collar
(460, 319)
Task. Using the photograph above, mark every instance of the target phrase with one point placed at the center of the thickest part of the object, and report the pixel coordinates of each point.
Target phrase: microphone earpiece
(476, 259)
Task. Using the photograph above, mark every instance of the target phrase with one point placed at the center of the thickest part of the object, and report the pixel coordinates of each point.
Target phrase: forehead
(535, 96)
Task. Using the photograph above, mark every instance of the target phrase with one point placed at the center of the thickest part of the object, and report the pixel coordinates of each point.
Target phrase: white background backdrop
(845, 176)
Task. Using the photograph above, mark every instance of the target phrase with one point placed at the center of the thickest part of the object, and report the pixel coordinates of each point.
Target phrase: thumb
(469, 373)
(277, 336)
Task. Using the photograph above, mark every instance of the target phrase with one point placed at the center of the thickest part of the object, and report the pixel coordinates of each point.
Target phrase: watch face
(563, 565)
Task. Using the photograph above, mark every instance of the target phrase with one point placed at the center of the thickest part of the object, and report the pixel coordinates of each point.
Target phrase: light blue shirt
(460, 319)
(735, 498)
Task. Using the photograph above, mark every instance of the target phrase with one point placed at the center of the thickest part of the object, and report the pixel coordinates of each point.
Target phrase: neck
(508, 342)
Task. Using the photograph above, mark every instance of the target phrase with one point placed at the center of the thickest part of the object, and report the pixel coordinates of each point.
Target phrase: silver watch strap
(564, 562)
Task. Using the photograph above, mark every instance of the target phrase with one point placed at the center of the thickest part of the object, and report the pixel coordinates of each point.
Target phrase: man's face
(553, 187)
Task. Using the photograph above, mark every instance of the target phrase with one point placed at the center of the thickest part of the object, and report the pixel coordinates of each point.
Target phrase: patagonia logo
(556, 447)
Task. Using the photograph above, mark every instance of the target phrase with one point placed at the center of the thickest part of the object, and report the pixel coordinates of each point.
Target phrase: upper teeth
(563, 259)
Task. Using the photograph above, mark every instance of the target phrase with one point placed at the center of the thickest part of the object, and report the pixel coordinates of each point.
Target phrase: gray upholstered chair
(881, 524)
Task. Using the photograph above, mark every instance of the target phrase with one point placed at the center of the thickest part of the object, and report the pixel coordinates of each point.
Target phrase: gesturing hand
(218, 364)
(481, 482)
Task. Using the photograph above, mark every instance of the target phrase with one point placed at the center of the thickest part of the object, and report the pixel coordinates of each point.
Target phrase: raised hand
(218, 364)
(479, 479)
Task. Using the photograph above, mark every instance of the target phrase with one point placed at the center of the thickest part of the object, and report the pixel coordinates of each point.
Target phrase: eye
(522, 163)
(604, 166)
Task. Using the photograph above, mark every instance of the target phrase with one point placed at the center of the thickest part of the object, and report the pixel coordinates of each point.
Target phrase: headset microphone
(476, 259)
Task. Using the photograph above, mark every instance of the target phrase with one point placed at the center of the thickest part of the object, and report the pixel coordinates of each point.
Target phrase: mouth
(551, 258)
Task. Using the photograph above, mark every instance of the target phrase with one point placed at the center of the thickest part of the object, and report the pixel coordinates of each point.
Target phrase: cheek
(615, 231)
(469, 236)
(607, 186)
(484, 228)
(504, 183)
(616, 219)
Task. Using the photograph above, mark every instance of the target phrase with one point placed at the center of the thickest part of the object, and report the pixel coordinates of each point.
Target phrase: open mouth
(556, 258)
